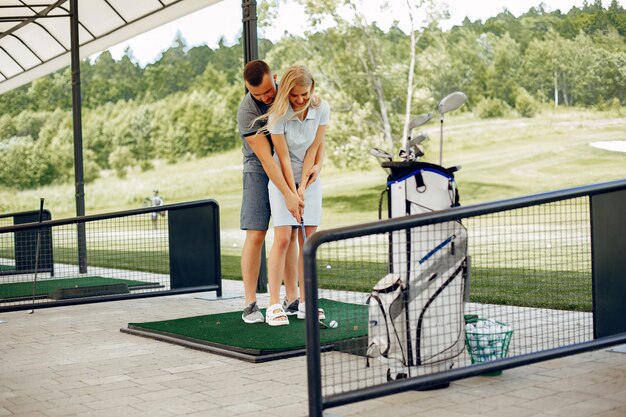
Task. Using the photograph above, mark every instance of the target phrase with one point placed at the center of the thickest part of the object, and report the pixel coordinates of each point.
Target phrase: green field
(500, 159)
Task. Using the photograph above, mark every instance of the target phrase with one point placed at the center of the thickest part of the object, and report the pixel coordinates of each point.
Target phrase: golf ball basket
(485, 345)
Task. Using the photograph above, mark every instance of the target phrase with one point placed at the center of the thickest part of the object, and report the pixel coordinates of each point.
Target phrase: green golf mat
(21, 290)
(228, 335)
(7, 268)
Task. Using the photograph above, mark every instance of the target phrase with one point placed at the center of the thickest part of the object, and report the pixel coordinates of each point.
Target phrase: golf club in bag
(416, 311)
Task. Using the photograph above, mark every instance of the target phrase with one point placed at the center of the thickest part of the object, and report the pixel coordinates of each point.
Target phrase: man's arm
(261, 147)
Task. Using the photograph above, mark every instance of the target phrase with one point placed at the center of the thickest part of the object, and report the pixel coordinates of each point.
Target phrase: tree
(171, 73)
(362, 62)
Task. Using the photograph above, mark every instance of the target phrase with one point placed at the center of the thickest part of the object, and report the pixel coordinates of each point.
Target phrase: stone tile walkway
(74, 361)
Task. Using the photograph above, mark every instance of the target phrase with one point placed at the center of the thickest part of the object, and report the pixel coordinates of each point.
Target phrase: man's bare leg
(251, 262)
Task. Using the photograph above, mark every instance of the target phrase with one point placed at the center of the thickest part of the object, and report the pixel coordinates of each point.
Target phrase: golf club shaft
(321, 323)
(441, 143)
(37, 248)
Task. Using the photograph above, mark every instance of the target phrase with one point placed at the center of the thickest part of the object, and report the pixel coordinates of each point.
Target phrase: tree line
(184, 104)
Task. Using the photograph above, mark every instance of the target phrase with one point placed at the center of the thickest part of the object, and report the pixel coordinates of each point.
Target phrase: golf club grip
(41, 210)
(303, 230)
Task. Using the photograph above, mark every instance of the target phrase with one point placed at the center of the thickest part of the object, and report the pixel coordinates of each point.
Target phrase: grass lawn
(500, 159)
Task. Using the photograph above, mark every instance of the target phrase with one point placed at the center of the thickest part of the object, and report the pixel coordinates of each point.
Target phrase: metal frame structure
(190, 230)
(24, 42)
(608, 237)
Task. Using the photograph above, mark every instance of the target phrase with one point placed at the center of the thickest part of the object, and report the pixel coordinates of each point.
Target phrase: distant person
(156, 201)
(258, 168)
(297, 123)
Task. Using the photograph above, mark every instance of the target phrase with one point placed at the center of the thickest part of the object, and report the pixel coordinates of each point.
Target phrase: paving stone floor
(74, 361)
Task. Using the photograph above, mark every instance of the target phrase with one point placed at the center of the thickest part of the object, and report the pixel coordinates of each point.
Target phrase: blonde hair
(295, 76)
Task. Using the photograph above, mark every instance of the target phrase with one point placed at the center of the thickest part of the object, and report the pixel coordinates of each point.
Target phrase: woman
(297, 122)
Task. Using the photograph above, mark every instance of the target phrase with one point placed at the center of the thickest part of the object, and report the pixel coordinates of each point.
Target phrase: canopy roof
(35, 34)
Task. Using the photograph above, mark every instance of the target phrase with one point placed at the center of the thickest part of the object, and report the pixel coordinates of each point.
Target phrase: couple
(283, 146)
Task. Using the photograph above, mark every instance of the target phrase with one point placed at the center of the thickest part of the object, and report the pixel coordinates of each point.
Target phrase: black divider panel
(194, 245)
(609, 262)
(26, 244)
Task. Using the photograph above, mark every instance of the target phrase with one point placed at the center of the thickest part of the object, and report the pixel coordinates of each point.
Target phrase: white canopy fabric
(35, 34)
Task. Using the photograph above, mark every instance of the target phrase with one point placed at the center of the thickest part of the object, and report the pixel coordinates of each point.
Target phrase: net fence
(116, 254)
(453, 294)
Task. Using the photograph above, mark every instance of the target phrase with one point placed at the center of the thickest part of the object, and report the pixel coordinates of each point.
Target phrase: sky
(223, 20)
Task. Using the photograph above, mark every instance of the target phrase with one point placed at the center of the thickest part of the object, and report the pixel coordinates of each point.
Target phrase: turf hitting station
(126, 255)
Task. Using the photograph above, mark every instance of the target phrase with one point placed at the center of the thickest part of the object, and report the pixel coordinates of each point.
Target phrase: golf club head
(323, 325)
(452, 102)
(379, 153)
(416, 151)
(419, 120)
(417, 139)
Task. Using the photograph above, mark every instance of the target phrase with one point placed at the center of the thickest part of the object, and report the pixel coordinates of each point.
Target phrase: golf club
(383, 156)
(32, 310)
(415, 148)
(322, 324)
(379, 153)
(419, 120)
(450, 102)
(415, 122)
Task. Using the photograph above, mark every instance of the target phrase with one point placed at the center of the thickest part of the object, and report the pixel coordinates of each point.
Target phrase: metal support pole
(250, 53)
(250, 42)
(313, 355)
(78, 136)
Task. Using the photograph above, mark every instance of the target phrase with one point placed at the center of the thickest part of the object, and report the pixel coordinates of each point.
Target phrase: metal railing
(145, 252)
(542, 275)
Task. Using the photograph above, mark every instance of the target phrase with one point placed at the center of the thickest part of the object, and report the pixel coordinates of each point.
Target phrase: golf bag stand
(416, 312)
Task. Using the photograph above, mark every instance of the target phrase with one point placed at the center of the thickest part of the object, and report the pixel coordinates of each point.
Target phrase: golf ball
(333, 324)
(328, 266)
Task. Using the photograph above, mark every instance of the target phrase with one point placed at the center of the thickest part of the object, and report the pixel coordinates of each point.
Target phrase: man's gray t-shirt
(250, 109)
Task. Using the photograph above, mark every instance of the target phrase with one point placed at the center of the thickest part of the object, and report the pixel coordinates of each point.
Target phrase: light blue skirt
(312, 206)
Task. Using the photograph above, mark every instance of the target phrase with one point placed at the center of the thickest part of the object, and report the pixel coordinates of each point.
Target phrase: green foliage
(183, 105)
(24, 164)
(613, 105)
(491, 108)
(120, 160)
(525, 104)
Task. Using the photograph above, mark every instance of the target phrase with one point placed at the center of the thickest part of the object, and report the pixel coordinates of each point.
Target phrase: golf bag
(416, 312)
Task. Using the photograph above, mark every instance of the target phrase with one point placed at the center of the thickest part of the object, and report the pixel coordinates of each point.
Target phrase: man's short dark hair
(254, 71)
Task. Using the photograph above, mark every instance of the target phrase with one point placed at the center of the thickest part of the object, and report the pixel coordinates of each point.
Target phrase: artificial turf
(228, 330)
(45, 287)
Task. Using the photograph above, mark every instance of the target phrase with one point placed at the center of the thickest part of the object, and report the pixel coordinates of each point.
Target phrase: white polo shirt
(300, 134)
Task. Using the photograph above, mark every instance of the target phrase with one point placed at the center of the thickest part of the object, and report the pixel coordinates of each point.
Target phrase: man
(258, 168)
(156, 201)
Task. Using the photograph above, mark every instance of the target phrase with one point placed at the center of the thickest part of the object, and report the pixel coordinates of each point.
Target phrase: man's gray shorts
(255, 202)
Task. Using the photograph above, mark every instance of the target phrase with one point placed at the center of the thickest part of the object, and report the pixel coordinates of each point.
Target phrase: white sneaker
(251, 314)
(302, 312)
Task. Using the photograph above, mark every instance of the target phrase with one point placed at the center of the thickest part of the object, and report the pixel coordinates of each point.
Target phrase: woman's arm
(312, 164)
(261, 147)
(293, 201)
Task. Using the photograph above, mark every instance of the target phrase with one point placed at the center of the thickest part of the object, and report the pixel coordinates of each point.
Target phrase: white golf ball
(333, 324)
(328, 266)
